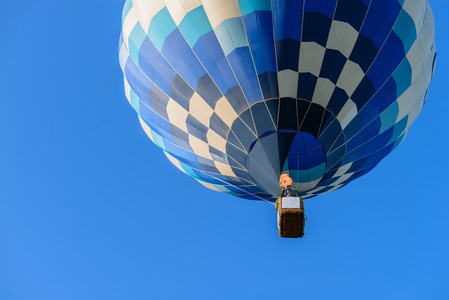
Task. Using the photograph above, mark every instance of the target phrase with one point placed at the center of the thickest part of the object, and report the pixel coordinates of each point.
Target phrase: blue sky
(91, 209)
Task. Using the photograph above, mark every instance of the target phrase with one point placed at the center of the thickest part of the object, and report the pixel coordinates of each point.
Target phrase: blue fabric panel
(180, 91)
(161, 26)
(209, 52)
(364, 52)
(352, 12)
(316, 28)
(393, 50)
(310, 142)
(379, 71)
(242, 64)
(208, 90)
(135, 101)
(398, 129)
(287, 16)
(310, 124)
(326, 7)
(155, 66)
(196, 128)
(237, 99)
(387, 94)
(247, 118)
(333, 64)
(269, 85)
(403, 77)
(287, 51)
(405, 29)
(370, 111)
(287, 114)
(207, 165)
(259, 31)
(337, 101)
(315, 157)
(388, 116)
(158, 101)
(181, 57)
(160, 125)
(353, 127)
(246, 136)
(306, 85)
(218, 126)
(138, 82)
(262, 119)
(181, 138)
(302, 106)
(363, 93)
(248, 6)
(194, 25)
(217, 155)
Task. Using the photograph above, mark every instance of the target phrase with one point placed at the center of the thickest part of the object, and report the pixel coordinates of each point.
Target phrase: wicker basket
(291, 219)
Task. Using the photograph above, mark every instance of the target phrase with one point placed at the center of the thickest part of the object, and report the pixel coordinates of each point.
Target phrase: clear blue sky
(91, 209)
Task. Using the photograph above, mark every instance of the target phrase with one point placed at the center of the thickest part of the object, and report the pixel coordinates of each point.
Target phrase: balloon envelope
(238, 92)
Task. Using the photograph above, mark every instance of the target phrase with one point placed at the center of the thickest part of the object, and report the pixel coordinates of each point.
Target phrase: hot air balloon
(238, 92)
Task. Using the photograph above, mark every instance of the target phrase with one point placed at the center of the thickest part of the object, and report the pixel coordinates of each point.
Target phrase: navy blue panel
(247, 118)
(363, 92)
(333, 63)
(327, 114)
(337, 101)
(196, 128)
(370, 111)
(287, 114)
(376, 25)
(379, 71)
(353, 127)
(243, 133)
(235, 155)
(387, 94)
(181, 138)
(312, 121)
(273, 108)
(287, 51)
(328, 175)
(207, 89)
(287, 16)
(352, 12)
(262, 119)
(269, 84)
(326, 7)
(180, 91)
(237, 99)
(217, 125)
(393, 50)
(159, 101)
(302, 106)
(306, 85)
(364, 52)
(316, 28)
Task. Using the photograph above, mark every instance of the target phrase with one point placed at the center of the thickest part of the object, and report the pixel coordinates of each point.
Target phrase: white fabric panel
(199, 147)
(343, 169)
(347, 113)
(343, 178)
(323, 91)
(209, 186)
(146, 10)
(224, 110)
(219, 10)
(174, 161)
(288, 83)
(307, 186)
(411, 97)
(216, 141)
(177, 115)
(224, 169)
(311, 57)
(342, 37)
(146, 129)
(179, 8)
(416, 9)
(350, 77)
(128, 25)
(200, 110)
